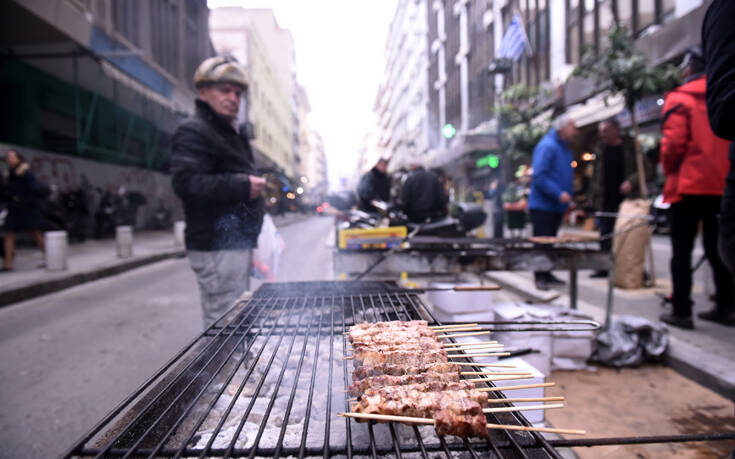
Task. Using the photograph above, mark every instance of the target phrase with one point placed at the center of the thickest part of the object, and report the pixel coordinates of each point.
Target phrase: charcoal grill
(268, 379)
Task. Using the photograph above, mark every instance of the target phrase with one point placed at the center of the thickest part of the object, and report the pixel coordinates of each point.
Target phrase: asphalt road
(70, 357)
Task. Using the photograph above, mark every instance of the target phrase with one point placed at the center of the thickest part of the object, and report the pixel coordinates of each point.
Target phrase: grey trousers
(223, 276)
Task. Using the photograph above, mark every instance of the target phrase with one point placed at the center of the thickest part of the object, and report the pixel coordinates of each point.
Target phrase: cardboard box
(521, 364)
(450, 302)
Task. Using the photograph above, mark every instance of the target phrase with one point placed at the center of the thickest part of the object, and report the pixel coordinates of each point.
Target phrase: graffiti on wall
(66, 173)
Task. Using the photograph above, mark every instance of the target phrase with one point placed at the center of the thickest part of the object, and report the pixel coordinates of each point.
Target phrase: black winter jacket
(374, 185)
(718, 40)
(210, 168)
(423, 196)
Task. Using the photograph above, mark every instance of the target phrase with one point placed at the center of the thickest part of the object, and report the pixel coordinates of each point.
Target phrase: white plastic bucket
(124, 237)
(179, 228)
(57, 250)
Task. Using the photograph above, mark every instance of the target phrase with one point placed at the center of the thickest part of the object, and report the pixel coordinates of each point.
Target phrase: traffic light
(448, 131)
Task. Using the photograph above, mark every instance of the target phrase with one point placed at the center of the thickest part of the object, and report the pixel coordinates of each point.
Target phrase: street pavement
(706, 354)
(69, 357)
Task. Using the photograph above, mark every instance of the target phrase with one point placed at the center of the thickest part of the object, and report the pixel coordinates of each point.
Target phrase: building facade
(92, 90)
(266, 52)
(402, 102)
(463, 37)
(100, 79)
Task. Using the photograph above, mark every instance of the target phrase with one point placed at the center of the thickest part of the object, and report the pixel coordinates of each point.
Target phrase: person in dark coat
(212, 170)
(551, 185)
(718, 42)
(23, 194)
(374, 186)
(615, 178)
(423, 196)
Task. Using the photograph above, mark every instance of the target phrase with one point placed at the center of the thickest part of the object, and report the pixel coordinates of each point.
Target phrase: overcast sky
(339, 59)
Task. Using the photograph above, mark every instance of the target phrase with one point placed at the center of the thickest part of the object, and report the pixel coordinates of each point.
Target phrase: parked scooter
(117, 209)
(462, 219)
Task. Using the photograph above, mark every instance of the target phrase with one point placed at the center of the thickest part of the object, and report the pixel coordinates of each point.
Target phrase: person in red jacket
(695, 162)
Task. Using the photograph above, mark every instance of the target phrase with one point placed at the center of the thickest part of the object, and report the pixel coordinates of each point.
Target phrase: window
(625, 13)
(646, 15)
(125, 18)
(607, 20)
(573, 30)
(589, 37)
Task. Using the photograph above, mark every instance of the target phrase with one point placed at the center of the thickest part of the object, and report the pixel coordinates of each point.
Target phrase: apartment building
(266, 52)
(402, 102)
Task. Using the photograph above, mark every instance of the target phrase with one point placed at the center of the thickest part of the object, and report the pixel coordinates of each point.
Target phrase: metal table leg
(573, 288)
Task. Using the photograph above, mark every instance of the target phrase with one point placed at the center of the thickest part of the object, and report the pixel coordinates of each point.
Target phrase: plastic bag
(630, 341)
(267, 256)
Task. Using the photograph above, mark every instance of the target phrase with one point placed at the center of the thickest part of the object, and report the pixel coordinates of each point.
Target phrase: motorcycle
(116, 209)
(462, 219)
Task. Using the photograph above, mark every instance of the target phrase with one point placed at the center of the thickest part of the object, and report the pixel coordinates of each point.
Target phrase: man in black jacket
(374, 186)
(212, 170)
(718, 41)
(423, 196)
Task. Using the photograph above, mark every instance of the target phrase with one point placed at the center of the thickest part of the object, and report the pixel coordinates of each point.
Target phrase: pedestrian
(718, 38)
(695, 163)
(614, 179)
(23, 194)
(551, 185)
(422, 196)
(374, 186)
(213, 173)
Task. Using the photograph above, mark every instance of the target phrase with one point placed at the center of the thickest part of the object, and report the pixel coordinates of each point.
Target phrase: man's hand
(626, 187)
(257, 185)
(565, 197)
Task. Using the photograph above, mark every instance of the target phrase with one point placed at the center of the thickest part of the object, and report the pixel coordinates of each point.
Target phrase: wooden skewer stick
(526, 399)
(462, 335)
(468, 344)
(520, 386)
(496, 373)
(500, 378)
(523, 408)
(439, 327)
(412, 420)
(475, 349)
(510, 400)
(452, 330)
(485, 365)
(490, 354)
(448, 328)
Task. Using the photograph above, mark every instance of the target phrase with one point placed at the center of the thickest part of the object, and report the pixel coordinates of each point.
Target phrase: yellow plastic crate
(371, 238)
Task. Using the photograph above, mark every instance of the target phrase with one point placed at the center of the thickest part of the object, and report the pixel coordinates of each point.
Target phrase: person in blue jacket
(551, 185)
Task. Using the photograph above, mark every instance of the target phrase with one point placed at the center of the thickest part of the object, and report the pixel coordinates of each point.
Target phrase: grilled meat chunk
(390, 324)
(410, 357)
(376, 382)
(391, 334)
(368, 371)
(400, 346)
(448, 422)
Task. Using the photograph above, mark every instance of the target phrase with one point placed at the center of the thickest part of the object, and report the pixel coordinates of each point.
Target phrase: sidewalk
(705, 355)
(92, 260)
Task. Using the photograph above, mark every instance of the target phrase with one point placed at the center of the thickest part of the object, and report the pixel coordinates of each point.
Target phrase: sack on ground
(630, 242)
(630, 341)
(267, 256)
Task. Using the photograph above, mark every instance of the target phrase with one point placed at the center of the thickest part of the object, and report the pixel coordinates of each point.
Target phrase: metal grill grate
(268, 380)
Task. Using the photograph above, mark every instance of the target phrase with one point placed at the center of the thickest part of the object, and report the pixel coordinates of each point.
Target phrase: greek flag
(514, 41)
